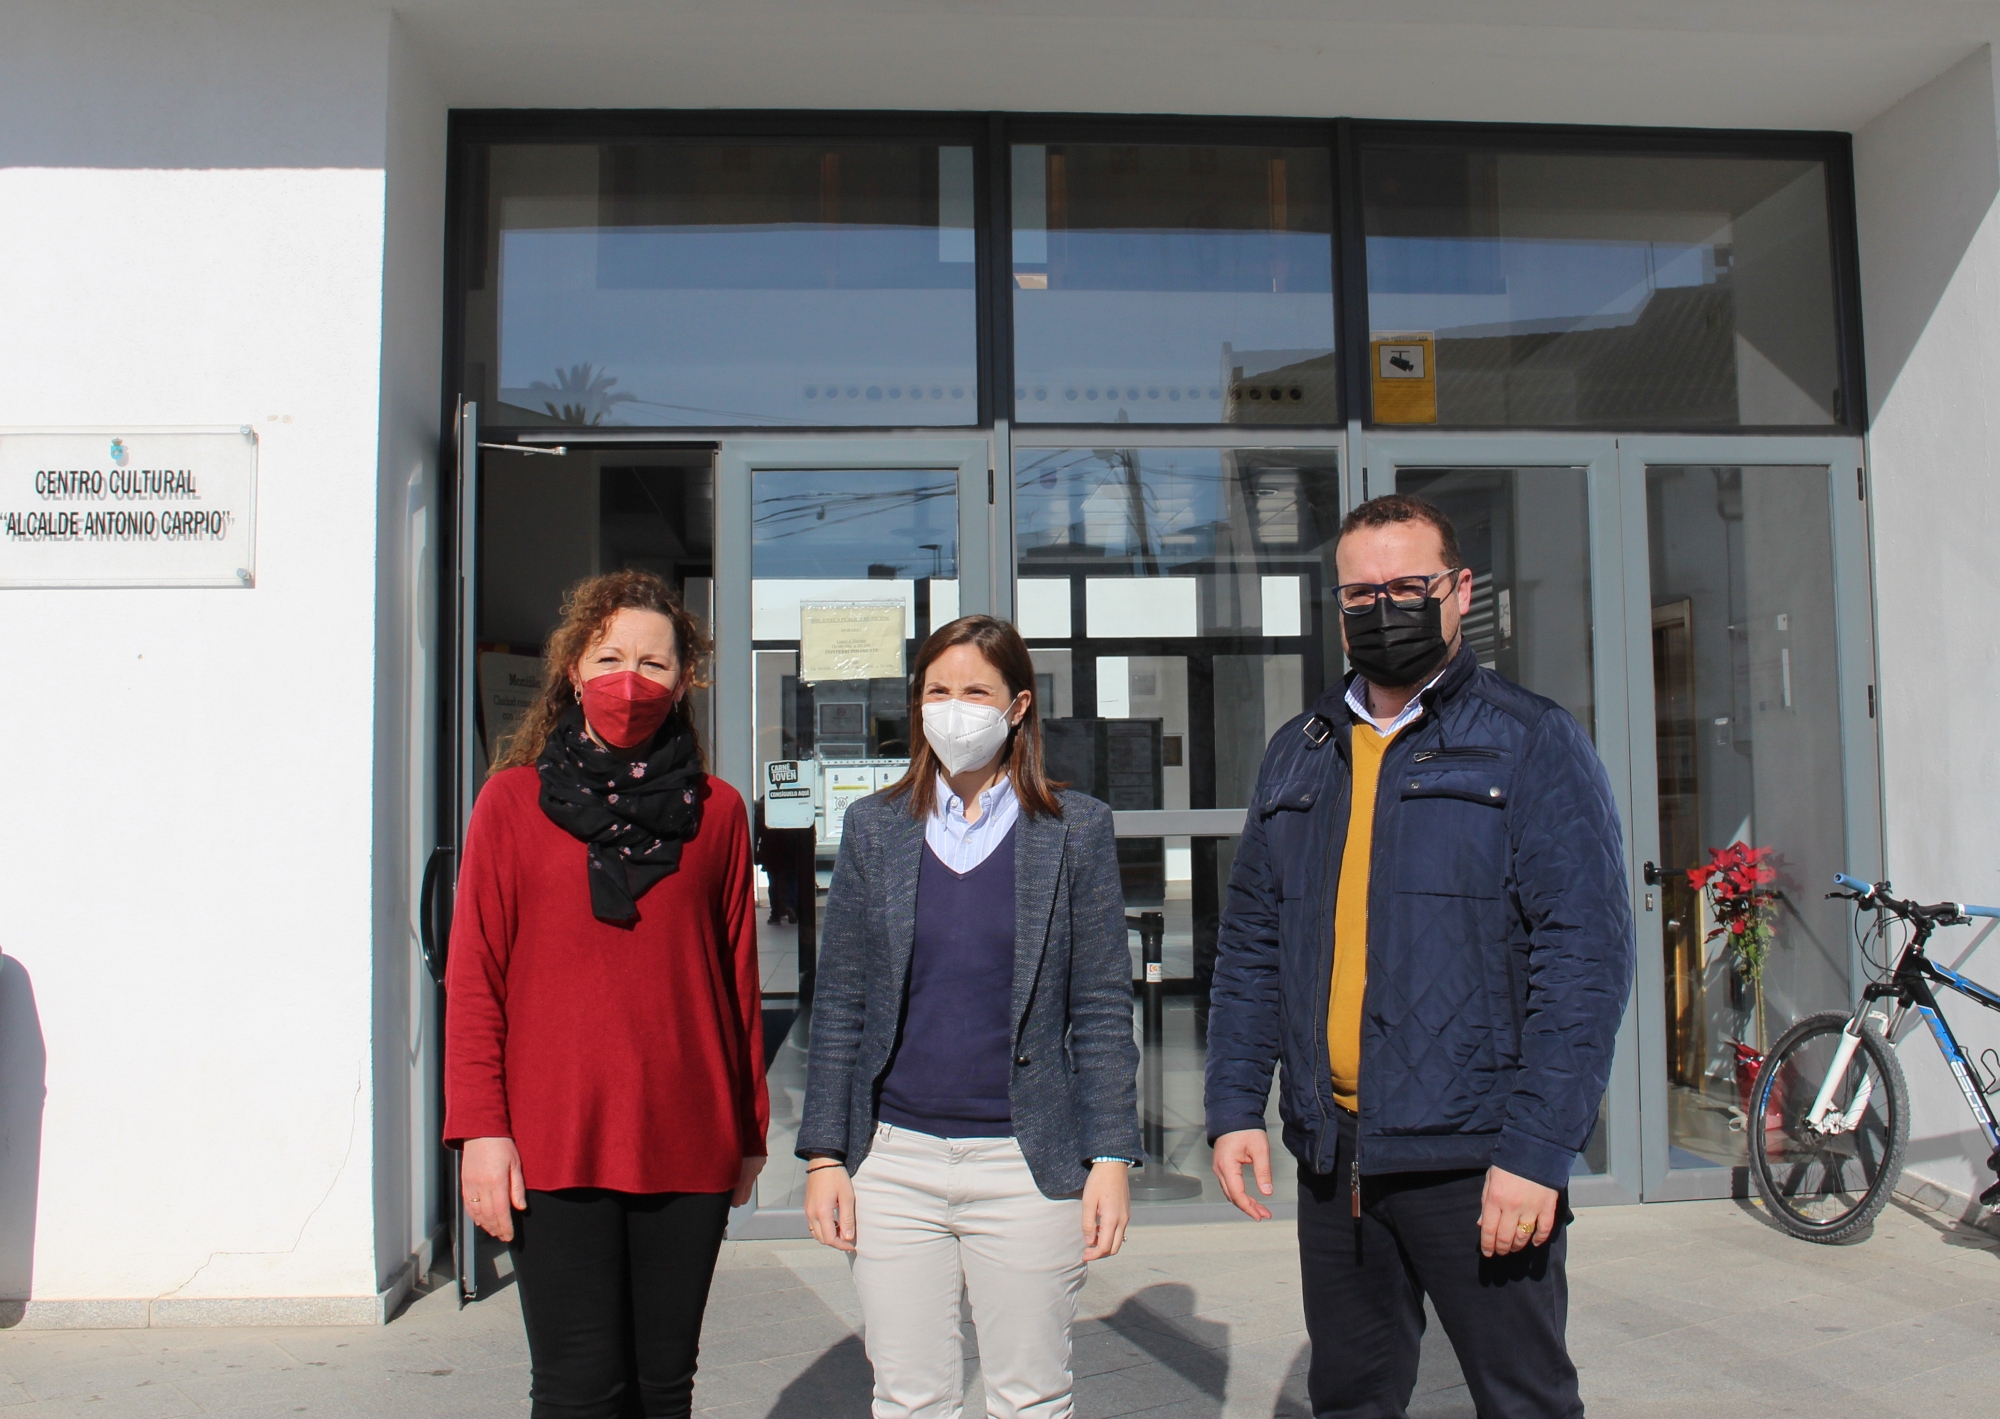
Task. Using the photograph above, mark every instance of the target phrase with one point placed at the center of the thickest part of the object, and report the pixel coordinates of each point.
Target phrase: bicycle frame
(1917, 992)
(1909, 985)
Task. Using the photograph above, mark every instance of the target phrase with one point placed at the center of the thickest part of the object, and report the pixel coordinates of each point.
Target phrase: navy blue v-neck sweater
(955, 1053)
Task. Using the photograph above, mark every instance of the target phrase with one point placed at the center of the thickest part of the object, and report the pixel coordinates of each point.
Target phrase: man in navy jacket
(1429, 923)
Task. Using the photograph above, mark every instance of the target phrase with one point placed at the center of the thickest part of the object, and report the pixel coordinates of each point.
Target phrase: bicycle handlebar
(1944, 913)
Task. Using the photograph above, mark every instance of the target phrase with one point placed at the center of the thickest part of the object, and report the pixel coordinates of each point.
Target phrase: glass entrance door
(1701, 605)
(1538, 523)
(1749, 621)
(1173, 592)
(839, 557)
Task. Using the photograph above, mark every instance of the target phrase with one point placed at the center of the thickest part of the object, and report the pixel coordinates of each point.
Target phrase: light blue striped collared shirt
(1357, 700)
(960, 845)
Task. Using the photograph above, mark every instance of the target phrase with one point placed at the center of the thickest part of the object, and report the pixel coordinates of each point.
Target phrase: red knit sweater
(623, 1057)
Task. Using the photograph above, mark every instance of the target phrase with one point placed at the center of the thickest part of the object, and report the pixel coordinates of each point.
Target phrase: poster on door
(508, 687)
(851, 640)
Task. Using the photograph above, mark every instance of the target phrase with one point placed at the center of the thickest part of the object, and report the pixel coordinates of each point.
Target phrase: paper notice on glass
(508, 685)
(850, 640)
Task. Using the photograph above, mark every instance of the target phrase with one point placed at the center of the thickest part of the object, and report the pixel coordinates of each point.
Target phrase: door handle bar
(427, 935)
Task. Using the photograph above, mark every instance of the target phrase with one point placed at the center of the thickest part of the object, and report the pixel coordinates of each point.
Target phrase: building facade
(852, 317)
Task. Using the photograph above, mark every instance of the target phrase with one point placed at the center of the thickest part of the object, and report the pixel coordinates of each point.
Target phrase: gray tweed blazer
(1074, 1060)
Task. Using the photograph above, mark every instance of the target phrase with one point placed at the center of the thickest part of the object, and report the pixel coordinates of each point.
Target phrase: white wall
(200, 810)
(1927, 173)
(1700, 63)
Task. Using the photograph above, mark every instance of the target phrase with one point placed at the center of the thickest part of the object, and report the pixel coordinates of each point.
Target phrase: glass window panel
(1175, 601)
(722, 283)
(1184, 880)
(1599, 290)
(1173, 283)
(1595, 1160)
(1525, 533)
(547, 523)
(885, 542)
(883, 539)
(1747, 723)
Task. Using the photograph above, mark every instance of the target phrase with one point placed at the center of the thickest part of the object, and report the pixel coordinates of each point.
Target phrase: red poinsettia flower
(1735, 872)
(1739, 881)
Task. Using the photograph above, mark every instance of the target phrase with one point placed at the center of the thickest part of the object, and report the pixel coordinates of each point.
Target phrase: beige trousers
(932, 1213)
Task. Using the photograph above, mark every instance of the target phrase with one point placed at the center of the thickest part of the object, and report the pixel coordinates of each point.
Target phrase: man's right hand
(489, 1178)
(1233, 1153)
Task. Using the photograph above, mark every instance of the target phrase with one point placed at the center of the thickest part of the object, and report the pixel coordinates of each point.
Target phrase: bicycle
(1830, 1096)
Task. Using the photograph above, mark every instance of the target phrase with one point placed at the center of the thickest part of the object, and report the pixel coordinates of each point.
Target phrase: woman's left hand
(1107, 1210)
(746, 1181)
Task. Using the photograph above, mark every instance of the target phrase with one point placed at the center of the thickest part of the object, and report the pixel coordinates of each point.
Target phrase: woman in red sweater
(604, 1064)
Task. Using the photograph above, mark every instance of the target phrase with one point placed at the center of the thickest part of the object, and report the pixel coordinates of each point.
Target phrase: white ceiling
(1703, 63)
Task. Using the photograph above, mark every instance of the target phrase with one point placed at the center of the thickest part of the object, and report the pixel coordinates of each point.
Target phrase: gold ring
(1525, 1227)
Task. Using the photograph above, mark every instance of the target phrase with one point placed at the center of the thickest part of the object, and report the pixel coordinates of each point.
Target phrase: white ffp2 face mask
(964, 736)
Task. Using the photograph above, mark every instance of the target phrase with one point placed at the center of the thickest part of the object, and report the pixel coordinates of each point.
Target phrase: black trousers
(1364, 1281)
(613, 1285)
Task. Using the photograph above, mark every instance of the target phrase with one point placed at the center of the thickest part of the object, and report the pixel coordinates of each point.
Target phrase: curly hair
(587, 609)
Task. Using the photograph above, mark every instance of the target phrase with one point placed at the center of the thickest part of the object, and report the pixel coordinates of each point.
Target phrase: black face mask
(1392, 647)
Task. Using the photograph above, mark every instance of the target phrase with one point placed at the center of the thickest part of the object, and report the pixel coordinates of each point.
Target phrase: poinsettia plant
(1738, 880)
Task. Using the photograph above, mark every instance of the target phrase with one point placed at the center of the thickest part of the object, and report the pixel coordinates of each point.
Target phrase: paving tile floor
(1683, 1309)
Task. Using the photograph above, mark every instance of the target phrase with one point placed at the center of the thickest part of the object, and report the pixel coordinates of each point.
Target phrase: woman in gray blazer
(969, 1112)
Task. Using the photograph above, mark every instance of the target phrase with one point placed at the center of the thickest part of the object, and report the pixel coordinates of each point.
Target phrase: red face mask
(625, 708)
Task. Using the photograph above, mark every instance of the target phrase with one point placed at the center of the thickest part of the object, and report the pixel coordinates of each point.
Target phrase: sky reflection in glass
(1167, 283)
(700, 285)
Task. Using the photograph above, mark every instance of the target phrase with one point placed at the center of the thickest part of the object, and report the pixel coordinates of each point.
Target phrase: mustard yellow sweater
(1350, 920)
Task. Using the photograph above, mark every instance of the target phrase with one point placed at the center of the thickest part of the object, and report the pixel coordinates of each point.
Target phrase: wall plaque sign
(128, 506)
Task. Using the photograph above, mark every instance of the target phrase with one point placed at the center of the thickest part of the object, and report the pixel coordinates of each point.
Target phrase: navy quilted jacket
(1500, 946)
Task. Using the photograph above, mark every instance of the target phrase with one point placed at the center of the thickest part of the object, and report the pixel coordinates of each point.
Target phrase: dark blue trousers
(1364, 1281)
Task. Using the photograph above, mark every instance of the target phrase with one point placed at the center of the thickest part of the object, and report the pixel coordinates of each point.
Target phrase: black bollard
(1155, 1182)
(808, 913)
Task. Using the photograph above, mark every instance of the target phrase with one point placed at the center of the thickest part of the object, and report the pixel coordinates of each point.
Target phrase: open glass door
(1538, 522)
(534, 517)
(465, 556)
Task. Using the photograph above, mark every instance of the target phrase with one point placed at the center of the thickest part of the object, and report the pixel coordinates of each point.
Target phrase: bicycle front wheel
(1826, 1184)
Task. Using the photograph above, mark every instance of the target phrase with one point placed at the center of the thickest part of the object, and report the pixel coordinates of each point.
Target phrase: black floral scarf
(633, 814)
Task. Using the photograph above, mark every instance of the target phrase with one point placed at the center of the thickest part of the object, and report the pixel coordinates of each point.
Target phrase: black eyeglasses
(1405, 593)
